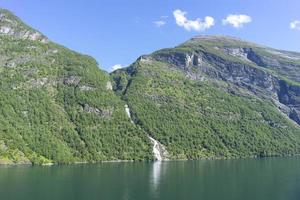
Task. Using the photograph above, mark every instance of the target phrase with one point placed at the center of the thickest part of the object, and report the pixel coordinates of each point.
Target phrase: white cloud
(196, 25)
(237, 21)
(295, 25)
(117, 66)
(160, 23)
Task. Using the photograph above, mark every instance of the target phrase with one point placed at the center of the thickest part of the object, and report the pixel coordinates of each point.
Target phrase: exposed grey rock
(109, 85)
(5, 29)
(12, 26)
(29, 72)
(3, 146)
(106, 113)
(242, 53)
(284, 54)
(71, 80)
(203, 65)
(295, 115)
(145, 59)
(38, 83)
(52, 51)
(86, 88)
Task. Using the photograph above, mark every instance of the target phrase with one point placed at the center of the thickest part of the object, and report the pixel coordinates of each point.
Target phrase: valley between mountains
(209, 97)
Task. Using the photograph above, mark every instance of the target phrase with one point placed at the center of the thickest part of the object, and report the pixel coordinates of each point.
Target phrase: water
(159, 152)
(156, 149)
(249, 179)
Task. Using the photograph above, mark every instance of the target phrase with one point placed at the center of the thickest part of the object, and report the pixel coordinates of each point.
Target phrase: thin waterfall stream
(159, 151)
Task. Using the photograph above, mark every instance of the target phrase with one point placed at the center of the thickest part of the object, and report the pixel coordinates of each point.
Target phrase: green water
(249, 179)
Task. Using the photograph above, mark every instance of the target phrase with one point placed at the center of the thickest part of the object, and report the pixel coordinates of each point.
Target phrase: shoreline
(142, 161)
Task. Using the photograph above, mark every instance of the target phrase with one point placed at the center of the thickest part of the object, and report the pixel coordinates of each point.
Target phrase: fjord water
(247, 179)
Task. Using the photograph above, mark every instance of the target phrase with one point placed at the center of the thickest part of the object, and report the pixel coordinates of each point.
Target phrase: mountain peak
(215, 37)
(220, 40)
(11, 25)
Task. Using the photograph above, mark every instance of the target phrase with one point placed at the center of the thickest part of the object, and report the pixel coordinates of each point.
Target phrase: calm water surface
(246, 179)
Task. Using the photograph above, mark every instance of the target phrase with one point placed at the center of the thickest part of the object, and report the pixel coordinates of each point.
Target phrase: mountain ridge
(241, 71)
(57, 106)
(213, 97)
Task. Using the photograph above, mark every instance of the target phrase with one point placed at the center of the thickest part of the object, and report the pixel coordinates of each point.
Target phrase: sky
(117, 32)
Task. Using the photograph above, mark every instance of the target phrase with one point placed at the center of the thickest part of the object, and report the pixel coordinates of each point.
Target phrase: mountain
(210, 97)
(57, 106)
(216, 97)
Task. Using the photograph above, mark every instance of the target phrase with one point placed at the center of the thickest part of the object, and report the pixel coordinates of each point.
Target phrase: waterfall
(158, 150)
(127, 110)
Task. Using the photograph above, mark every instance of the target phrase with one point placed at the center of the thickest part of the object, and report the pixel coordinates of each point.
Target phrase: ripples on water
(253, 179)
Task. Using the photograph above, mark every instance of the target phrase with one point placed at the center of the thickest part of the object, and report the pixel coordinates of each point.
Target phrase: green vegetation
(200, 120)
(203, 99)
(45, 90)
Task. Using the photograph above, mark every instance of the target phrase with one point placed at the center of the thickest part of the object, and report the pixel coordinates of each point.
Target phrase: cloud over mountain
(237, 21)
(195, 25)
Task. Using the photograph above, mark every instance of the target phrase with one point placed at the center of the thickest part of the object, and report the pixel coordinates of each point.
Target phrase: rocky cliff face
(12, 26)
(268, 73)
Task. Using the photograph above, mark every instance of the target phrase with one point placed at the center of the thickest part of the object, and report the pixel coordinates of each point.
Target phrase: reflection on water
(246, 179)
(156, 173)
(159, 170)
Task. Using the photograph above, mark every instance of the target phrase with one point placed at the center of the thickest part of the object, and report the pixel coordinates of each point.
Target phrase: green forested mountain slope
(211, 97)
(216, 96)
(57, 106)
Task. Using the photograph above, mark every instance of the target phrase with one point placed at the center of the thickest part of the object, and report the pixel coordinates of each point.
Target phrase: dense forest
(211, 97)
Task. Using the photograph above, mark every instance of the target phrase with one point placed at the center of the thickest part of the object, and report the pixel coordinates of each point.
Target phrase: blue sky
(119, 31)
